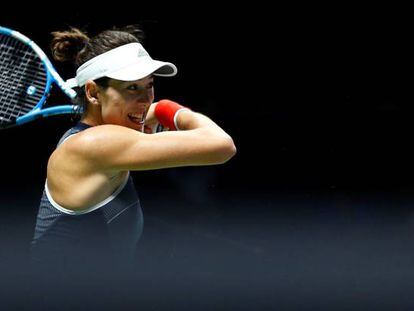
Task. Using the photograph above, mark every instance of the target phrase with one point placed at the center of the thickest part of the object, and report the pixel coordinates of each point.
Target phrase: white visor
(128, 62)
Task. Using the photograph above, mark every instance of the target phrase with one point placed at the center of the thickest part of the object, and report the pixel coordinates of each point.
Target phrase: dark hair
(77, 47)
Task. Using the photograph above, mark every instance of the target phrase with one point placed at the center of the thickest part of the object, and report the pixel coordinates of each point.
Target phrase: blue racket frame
(52, 77)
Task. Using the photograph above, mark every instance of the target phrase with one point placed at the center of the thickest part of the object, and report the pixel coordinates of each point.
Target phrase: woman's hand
(151, 121)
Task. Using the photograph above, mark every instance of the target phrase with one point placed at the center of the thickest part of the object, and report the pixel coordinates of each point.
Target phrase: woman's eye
(132, 87)
(136, 87)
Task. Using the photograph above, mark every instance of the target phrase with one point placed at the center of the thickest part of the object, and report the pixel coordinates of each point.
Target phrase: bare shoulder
(79, 161)
(101, 134)
(101, 139)
(92, 146)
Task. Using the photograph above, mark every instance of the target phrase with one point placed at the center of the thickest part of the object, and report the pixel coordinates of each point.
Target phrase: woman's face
(126, 103)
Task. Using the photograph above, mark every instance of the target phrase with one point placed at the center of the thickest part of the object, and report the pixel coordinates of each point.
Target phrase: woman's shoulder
(101, 137)
(94, 143)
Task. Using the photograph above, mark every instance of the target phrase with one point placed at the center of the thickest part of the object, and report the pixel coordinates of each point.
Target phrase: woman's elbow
(226, 150)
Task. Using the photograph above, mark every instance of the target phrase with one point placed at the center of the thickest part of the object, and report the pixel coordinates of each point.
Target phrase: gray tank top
(108, 230)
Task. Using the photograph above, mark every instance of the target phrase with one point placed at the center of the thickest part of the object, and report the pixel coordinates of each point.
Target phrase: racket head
(26, 77)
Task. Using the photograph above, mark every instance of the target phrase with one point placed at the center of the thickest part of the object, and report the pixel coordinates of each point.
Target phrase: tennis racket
(26, 79)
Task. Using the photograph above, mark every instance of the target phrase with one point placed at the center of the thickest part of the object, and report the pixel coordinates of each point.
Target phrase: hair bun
(66, 45)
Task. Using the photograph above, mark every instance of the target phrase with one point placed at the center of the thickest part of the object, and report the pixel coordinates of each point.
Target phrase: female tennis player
(90, 207)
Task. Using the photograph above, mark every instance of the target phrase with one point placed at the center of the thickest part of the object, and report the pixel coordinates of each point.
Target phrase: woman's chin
(135, 126)
(138, 128)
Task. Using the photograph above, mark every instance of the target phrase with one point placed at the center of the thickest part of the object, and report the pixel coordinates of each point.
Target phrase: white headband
(128, 62)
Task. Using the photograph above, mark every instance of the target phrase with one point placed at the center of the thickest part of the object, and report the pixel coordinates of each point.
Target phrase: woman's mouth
(137, 118)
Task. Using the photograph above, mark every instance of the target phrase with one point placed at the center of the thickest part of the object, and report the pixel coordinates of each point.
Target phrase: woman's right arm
(115, 148)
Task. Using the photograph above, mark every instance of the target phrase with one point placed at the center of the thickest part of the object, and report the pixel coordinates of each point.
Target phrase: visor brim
(141, 70)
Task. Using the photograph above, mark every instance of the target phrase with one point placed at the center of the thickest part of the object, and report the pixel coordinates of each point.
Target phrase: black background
(314, 211)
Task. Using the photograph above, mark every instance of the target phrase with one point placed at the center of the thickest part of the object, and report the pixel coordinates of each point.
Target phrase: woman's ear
(91, 92)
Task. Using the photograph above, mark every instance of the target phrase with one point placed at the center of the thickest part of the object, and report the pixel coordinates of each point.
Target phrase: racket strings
(19, 70)
(23, 79)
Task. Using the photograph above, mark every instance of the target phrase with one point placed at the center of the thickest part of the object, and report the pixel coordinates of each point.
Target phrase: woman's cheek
(112, 115)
